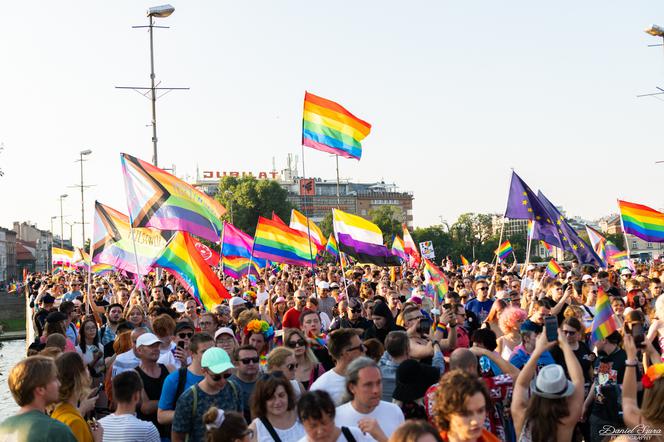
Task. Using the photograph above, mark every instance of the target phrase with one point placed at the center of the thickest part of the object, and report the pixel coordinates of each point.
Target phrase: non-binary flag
(361, 239)
(553, 269)
(181, 257)
(300, 222)
(642, 221)
(410, 247)
(279, 243)
(112, 241)
(329, 127)
(604, 322)
(332, 248)
(62, 257)
(504, 250)
(158, 199)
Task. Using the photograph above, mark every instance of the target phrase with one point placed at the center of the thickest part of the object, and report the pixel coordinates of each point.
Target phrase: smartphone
(551, 328)
(180, 344)
(637, 332)
(424, 326)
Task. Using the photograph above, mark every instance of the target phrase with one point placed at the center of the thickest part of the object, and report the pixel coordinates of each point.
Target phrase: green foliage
(249, 198)
(388, 218)
(326, 225)
(441, 240)
(618, 239)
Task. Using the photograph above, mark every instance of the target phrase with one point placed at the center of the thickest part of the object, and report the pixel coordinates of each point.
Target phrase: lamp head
(655, 31)
(86, 152)
(161, 11)
(63, 196)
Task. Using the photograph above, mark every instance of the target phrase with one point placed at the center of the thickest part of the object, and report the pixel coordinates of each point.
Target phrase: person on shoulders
(34, 385)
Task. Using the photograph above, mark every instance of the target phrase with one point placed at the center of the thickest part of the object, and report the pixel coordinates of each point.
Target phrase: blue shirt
(170, 386)
(480, 308)
(519, 358)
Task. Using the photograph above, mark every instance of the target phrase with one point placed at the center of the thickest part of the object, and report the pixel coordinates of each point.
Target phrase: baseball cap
(236, 300)
(279, 300)
(48, 299)
(334, 285)
(216, 360)
(530, 326)
(183, 325)
(625, 271)
(586, 277)
(223, 331)
(147, 339)
(324, 285)
(54, 317)
(179, 307)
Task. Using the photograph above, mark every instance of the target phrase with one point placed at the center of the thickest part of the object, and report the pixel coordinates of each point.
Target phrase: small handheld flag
(553, 269)
(464, 261)
(504, 250)
(604, 322)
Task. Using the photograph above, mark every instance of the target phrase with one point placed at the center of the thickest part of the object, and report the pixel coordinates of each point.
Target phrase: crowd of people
(357, 354)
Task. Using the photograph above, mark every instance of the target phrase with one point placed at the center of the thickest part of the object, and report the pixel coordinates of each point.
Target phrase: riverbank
(11, 353)
(12, 336)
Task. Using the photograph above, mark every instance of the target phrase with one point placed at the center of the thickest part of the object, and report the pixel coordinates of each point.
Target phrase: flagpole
(629, 253)
(530, 241)
(306, 214)
(221, 247)
(87, 304)
(338, 193)
(138, 269)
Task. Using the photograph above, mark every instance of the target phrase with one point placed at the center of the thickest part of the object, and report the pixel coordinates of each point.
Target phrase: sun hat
(216, 360)
(551, 383)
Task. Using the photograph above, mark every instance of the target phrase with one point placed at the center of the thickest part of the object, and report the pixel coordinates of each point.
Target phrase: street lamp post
(82, 153)
(655, 31)
(62, 228)
(52, 218)
(161, 12)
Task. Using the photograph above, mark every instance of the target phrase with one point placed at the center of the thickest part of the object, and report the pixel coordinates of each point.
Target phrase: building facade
(42, 240)
(8, 270)
(638, 248)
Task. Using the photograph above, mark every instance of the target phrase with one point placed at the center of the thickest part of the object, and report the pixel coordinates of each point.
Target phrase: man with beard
(109, 331)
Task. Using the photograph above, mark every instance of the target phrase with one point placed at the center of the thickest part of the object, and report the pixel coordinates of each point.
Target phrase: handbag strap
(270, 429)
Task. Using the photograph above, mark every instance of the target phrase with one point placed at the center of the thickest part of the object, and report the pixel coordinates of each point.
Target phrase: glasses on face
(299, 298)
(483, 288)
(292, 367)
(295, 344)
(218, 377)
(274, 374)
(415, 318)
(360, 347)
(247, 361)
(356, 310)
(569, 332)
(185, 335)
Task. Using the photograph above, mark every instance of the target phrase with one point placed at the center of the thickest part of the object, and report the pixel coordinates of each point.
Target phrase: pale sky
(458, 93)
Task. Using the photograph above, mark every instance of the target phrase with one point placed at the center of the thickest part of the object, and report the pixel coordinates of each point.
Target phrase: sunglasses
(247, 361)
(185, 335)
(360, 347)
(295, 344)
(356, 310)
(274, 374)
(292, 367)
(217, 377)
(483, 288)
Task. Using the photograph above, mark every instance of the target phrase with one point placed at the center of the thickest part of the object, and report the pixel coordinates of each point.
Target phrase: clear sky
(458, 93)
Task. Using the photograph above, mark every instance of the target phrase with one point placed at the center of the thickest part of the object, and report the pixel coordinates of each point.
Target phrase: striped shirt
(128, 428)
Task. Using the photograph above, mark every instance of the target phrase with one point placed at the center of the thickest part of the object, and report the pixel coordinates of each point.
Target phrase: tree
(326, 225)
(388, 218)
(443, 245)
(248, 198)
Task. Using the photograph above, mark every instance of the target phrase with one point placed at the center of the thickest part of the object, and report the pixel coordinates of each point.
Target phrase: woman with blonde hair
(74, 389)
(308, 367)
(282, 359)
(135, 315)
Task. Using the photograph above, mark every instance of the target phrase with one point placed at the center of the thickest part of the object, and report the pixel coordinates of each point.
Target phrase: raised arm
(504, 365)
(631, 411)
(575, 371)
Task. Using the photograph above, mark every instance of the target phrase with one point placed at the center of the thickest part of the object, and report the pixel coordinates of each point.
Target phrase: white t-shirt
(128, 428)
(333, 383)
(261, 298)
(292, 434)
(389, 416)
(356, 432)
(124, 362)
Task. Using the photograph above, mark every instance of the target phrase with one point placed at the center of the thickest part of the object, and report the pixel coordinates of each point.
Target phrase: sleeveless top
(506, 352)
(292, 434)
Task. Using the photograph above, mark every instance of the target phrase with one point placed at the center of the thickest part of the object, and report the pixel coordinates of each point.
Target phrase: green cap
(216, 360)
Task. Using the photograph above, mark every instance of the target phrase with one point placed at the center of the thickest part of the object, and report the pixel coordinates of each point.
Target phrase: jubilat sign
(211, 174)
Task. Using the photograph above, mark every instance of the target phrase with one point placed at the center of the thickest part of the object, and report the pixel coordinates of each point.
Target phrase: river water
(10, 353)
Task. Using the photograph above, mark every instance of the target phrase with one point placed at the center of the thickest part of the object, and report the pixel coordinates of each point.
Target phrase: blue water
(10, 353)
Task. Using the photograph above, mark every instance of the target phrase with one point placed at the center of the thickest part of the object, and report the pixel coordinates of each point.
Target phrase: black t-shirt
(583, 355)
(152, 387)
(609, 373)
(323, 357)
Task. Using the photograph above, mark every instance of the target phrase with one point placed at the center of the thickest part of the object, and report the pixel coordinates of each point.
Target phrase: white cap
(223, 331)
(147, 339)
(236, 300)
(179, 307)
(586, 277)
(530, 267)
(625, 271)
(323, 285)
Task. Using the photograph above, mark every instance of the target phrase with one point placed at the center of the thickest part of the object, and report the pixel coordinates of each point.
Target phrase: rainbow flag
(410, 248)
(398, 248)
(642, 221)
(437, 278)
(361, 239)
(553, 269)
(329, 127)
(160, 200)
(112, 241)
(546, 246)
(531, 228)
(332, 248)
(279, 243)
(503, 251)
(237, 267)
(464, 261)
(101, 269)
(604, 322)
(181, 257)
(299, 222)
(236, 243)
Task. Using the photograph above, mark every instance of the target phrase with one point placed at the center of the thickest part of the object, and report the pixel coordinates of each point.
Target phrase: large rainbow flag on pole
(398, 248)
(236, 243)
(361, 239)
(279, 243)
(158, 199)
(181, 257)
(112, 242)
(237, 267)
(299, 222)
(642, 221)
(329, 127)
(604, 322)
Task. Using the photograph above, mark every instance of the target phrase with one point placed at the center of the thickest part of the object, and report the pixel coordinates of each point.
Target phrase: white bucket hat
(551, 383)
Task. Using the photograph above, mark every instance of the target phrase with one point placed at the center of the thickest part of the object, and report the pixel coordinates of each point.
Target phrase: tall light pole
(62, 227)
(71, 232)
(52, 218)
(82, 154)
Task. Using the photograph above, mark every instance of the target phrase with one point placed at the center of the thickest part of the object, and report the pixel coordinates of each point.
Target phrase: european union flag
(571, 241)
(522, 203)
